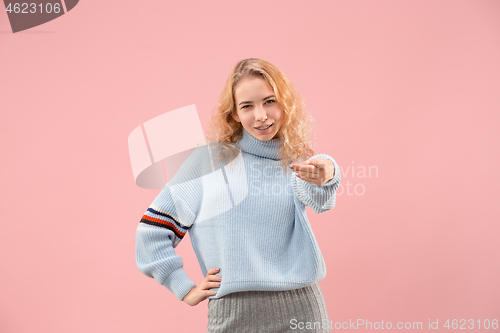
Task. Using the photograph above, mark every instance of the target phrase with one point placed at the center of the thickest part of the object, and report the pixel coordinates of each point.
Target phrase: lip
(264, 125)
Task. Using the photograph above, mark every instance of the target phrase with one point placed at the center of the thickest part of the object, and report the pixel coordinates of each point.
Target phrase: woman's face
(255, 101)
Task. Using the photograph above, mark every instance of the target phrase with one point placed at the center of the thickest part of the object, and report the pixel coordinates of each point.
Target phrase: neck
(266, 149)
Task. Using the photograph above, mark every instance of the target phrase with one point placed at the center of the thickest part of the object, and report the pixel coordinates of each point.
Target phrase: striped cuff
(154, 216)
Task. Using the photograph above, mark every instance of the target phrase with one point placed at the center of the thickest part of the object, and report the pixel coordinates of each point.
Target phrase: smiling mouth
(264, 127)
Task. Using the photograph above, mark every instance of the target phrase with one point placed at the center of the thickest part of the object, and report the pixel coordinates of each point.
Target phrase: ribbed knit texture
(248, 218)
(302, 310)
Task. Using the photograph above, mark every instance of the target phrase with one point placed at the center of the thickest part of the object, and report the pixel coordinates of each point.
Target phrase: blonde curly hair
(295, 132)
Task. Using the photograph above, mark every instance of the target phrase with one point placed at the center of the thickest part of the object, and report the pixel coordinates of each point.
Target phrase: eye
(244, 106)
(270, 100)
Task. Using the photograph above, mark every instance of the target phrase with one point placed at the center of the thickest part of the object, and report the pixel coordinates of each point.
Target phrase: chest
(252, 185)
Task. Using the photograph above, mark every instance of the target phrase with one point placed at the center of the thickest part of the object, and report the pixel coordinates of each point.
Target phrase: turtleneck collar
(267, 149)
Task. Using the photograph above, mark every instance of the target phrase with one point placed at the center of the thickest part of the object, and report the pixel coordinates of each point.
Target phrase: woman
(243, 204)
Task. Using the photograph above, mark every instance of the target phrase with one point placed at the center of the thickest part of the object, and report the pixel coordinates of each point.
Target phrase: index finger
(304, 166)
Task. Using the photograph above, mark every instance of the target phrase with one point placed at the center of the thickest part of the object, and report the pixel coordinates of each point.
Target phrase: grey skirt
(297, 310)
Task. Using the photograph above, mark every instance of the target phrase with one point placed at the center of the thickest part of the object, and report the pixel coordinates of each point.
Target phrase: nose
(260, 114)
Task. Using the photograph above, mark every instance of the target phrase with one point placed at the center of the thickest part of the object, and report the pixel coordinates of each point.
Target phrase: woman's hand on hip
(201, 292)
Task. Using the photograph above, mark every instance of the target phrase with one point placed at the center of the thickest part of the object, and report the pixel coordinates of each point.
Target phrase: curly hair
(295, 132)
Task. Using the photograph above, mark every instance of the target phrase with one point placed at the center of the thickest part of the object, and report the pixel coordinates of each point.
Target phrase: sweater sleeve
(160, 230)
(320, 198)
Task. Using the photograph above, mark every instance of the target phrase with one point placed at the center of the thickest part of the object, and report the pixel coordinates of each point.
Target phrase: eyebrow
(248, 102)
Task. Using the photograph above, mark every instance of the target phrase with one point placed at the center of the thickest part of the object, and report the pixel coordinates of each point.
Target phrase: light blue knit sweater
(247, 217)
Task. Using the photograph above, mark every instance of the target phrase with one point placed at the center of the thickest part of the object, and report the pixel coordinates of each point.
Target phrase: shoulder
(205, 159)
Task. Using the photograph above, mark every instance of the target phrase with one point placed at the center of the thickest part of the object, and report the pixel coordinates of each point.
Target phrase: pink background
(410, 88)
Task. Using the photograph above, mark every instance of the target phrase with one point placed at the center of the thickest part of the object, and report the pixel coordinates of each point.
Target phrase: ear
(235, 116)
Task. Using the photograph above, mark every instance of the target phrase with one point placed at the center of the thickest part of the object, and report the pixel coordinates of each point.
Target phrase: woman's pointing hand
(317, 170)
